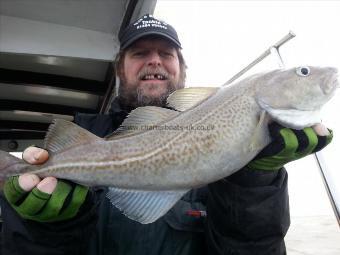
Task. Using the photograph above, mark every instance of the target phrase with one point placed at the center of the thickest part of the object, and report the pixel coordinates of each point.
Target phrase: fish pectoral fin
(184, 99)
(256, 141)
(140, 119)
(63, 134)
(144, 206)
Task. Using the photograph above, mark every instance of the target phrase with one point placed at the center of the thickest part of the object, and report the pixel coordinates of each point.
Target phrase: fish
(206, 134)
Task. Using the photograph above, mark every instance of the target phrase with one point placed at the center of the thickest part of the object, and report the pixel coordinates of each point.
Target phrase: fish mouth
(330, 84)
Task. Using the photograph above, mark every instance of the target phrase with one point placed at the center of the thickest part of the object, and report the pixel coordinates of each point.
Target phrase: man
(246, 213)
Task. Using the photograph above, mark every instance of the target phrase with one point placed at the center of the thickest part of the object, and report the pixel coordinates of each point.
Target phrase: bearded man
(245, 214)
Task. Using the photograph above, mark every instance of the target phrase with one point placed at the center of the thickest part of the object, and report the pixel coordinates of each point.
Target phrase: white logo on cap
(141, 23)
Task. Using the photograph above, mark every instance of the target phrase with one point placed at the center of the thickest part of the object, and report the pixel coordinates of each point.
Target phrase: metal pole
(332, 192)
(330, 186)
(276, 47)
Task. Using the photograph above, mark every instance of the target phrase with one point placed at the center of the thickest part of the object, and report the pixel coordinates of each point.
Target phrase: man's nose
(154, 59)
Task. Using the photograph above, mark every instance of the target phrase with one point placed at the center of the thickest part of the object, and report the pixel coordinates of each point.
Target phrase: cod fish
(158, 154)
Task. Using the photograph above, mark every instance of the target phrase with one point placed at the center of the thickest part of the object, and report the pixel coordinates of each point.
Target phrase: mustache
(151, 71)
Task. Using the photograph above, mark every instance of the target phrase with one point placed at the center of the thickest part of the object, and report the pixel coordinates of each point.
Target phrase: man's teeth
(154, 76)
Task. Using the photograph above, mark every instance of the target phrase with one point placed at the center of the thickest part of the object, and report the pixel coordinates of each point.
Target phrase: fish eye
(303, 71)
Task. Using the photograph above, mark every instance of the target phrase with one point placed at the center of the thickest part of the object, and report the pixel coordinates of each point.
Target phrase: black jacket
(246, 213)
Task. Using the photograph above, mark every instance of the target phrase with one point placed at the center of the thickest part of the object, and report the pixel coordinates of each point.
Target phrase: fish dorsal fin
(144, 206)
(292, 118)
(184, 99)
(63, 134)
(142, 118)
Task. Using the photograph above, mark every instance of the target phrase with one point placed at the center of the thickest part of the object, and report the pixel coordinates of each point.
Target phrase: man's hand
(45, 200)
(288, 145)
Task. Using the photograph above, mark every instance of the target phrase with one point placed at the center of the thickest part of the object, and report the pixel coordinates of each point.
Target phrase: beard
(130, 98)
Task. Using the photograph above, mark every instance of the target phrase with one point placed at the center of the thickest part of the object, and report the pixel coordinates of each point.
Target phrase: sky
(219, 38)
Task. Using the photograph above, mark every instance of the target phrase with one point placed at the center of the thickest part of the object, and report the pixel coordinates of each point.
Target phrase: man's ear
(120, 72)
(119, 64)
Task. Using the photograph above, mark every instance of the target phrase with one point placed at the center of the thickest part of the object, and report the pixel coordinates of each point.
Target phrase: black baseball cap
(147, 25)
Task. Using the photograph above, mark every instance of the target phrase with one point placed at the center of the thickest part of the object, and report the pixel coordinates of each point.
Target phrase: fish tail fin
(10, 165)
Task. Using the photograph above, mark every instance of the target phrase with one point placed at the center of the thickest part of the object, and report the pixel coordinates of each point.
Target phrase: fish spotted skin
(161, 164)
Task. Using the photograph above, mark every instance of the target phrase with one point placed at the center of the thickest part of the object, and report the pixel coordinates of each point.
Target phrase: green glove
(62, 204)
(288, 145)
